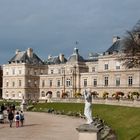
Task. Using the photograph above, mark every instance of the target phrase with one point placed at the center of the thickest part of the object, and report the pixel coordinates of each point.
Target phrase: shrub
(64, 95)
(94, 94)
(77, 95)
(105, 95)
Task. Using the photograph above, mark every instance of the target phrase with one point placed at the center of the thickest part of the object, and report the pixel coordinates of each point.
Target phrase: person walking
(10, 117)
(88, 104)
(21, 118)
(17, 119)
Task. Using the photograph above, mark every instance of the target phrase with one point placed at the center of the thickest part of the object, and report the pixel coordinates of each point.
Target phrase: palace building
(26, 75)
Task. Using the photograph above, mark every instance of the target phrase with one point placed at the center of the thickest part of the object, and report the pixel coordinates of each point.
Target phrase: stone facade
(34, 79)
(1, 74)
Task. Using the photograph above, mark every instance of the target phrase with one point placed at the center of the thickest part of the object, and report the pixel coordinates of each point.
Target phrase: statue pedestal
(23, 105)
(89, 132)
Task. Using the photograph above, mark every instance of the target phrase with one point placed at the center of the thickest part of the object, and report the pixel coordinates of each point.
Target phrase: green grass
(124, 120)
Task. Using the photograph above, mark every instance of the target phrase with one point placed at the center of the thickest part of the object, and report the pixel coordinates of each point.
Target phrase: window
(106, 81)
(6, 93)
(62, 81)
(117, 65)
(13, 95)
(85, 82)
(93, 69)
(7, 83)
(58, 83)
(94, 82)
(106, 66)
(35, 72)
(43, 83)
(35, 83)
(28, 72)
(50, 83)
(58, 94)
(41, 72)
(19, 71)
(130, 81)
(68, 82)
(42, 94)
(51, 71)
(13, 71)
(29, 82)
(19, 83)
(117, 81)
(7, 72)
(13, 84)
(59, 71)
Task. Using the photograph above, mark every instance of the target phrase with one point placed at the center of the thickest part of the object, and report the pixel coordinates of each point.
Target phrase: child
(21, 118)
(17, 119)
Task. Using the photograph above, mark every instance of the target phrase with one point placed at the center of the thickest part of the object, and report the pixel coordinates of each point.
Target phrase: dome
(75, 57)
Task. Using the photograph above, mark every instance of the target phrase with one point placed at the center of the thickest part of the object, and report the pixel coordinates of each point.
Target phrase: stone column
(89, 132)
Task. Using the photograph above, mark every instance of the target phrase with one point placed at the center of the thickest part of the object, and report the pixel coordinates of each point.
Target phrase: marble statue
(88, 103)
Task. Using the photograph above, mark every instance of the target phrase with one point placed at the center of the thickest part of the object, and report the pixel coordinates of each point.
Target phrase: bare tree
(131, 48)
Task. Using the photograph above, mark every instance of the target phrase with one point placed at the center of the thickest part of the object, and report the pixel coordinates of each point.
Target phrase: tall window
(68, 83)
(19, 71)
(59, 71)
(41, 72)
(117, 81)
(50, 83)
(93, 69)
(117, 65)
(42, 94)
(130, 81)
(94, 82)
(106, 66)
(13, 83)
(51, 71)
(106, 81)
(29, 83)
(13, 71)
(35, 72)
(58, 94)
(19, 83)
(7, 72)
(35, 83)
(85, 82)
(58, 83)
(7, 83)
(43, 83)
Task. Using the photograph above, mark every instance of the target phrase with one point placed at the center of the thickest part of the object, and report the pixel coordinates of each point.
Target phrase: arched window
(42, 94)
(58, 94)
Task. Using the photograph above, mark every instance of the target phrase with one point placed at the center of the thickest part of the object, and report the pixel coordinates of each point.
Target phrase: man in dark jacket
(10, 117)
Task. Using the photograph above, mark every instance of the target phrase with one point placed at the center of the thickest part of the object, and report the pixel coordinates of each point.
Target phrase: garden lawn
(124, 120)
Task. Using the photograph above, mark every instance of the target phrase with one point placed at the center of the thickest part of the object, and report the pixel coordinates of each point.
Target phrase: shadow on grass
(135, 137)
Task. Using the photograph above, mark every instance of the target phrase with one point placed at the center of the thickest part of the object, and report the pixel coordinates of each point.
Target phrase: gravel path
(42, 126)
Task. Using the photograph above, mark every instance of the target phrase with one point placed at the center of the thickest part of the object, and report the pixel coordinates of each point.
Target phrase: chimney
(30, 52)
(17, 51)
(61, 57)
(115, 38)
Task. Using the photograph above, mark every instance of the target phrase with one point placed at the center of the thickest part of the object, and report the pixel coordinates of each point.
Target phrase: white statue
(88, 103)
(23, 104)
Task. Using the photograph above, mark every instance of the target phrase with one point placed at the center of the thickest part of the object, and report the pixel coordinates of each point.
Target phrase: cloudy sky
(53, 26)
